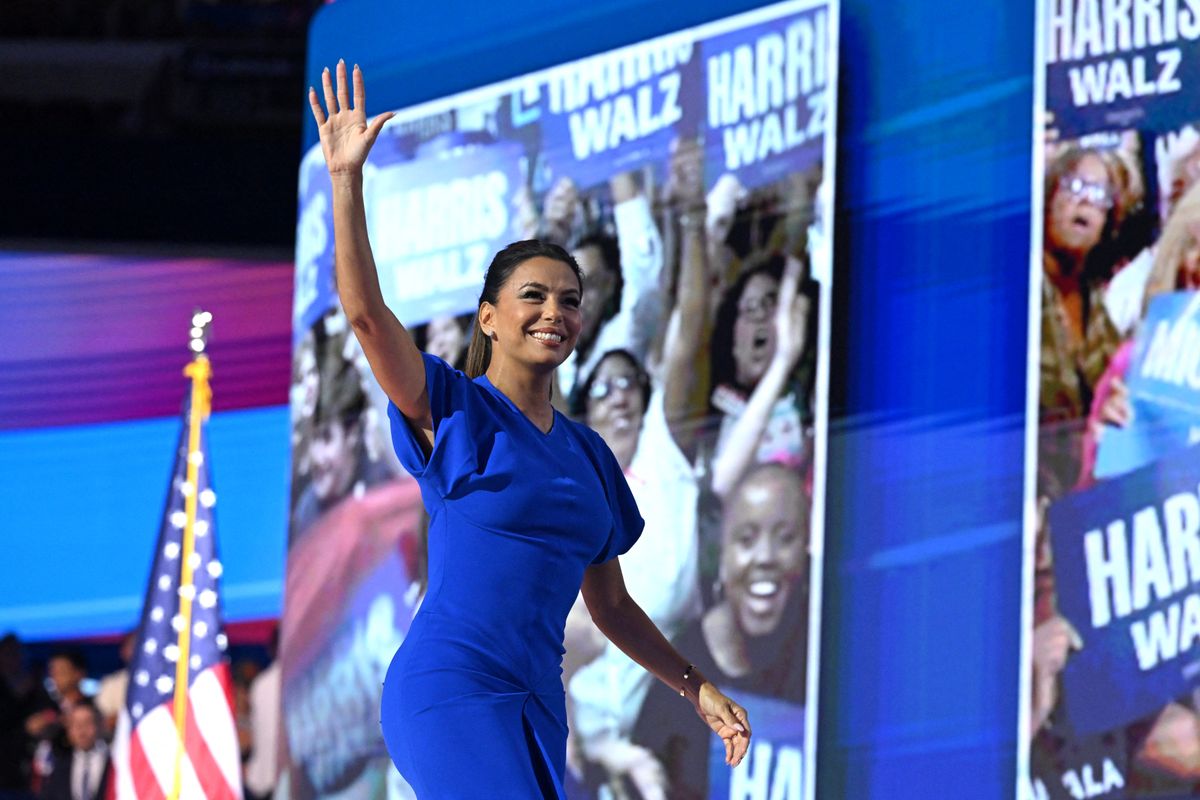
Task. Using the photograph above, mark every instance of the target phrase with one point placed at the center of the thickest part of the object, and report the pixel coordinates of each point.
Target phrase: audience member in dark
(16, 689)
(81, 770)
(48, 711)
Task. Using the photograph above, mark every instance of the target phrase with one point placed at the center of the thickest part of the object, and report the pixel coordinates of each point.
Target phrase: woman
(1078, 338)
(752, 639)
(526, 509)
(769, 299)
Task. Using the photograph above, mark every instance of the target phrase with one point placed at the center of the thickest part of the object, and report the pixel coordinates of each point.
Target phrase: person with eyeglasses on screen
(527, 509)
(1082, 215)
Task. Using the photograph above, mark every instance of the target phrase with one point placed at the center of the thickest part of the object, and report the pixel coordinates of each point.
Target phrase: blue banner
(1127, 569)
(314, 292)
(614, 112)
(765, 99)
(774, 766)
(1164, 387)
(1112, 66)
(435, 223)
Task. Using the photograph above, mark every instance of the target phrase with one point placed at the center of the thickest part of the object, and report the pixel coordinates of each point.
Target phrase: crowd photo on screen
(1113, 707)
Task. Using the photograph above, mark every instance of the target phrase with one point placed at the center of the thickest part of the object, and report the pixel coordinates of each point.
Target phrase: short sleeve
(627, 520)
(449, 394)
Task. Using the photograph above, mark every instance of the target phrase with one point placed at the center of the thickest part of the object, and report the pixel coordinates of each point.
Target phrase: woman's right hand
(1053, 642)
(346, 136)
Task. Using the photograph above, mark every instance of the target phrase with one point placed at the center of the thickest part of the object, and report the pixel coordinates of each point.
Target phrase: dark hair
(723, 368)
(479, 353)
(89, 704)
(1099, 260)
(420, 335)
(581, 397)
(71, 654)
(610, 253)
(340, 393)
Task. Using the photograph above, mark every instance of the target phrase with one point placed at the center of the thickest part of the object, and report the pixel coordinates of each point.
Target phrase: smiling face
(1079, 208)
(334, 454)
(615, 403)
(536, 318)
(754, 329)
(764, 547)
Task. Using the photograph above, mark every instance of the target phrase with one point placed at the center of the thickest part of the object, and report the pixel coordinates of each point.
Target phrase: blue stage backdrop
(922, 604)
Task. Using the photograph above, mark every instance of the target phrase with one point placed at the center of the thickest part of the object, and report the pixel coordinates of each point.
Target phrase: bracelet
(693, 680)
(687, 673)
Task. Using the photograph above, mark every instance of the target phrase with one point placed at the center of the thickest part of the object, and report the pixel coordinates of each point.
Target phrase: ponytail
(479, 352)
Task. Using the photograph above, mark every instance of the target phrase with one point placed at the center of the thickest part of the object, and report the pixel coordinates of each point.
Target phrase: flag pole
(199, 370)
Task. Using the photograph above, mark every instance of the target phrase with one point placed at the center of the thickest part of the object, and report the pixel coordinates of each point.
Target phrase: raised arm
(791, 317)
(346, 138)
(620, 618)
(686, 327)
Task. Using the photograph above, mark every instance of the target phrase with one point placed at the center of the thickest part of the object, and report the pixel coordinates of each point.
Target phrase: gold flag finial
(200, 370)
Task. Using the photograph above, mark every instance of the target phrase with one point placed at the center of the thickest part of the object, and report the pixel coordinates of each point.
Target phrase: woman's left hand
(791, 315)
(728, 720)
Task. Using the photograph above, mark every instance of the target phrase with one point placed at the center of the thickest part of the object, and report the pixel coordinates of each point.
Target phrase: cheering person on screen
(527, 508)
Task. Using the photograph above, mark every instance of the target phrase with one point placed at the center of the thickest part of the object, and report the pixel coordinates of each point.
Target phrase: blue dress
(473, 705)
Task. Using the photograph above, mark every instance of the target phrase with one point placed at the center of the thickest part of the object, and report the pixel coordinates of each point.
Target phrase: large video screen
(691, 177)
(1115, 626)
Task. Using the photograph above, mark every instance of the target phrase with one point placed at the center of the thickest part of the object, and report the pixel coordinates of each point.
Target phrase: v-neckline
(513, 406)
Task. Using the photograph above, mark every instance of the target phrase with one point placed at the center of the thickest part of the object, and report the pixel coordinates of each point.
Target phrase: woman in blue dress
(527, 509)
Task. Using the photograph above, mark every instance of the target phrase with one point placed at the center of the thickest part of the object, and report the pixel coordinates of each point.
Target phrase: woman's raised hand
(346, 136)
(791, 315)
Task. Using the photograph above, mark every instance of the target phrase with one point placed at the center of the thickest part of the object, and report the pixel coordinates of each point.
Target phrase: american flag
(179, 742)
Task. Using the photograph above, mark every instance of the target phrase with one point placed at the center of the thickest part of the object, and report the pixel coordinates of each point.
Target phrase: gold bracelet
(687, 673)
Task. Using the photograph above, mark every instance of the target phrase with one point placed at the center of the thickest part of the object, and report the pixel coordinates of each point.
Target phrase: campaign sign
(614, 112)
(314, 291)
(332, 696)
(766, 105)
(1127, 571)
(773, 768)
(435, 223)
(1121, 65)
(1164, 387)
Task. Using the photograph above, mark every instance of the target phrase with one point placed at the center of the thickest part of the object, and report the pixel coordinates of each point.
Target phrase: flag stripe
(213, 709)
(157, 734)
(208, 771)
(145, 785)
